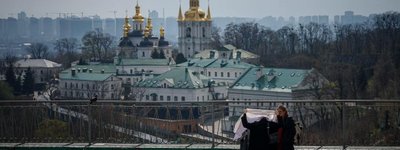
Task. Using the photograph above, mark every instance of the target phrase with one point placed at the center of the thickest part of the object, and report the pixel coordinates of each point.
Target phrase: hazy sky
(220, 8)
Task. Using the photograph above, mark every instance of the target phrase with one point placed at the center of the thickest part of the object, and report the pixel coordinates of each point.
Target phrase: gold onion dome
(146, 32)
(138, 16)
(127, 27)
(149, 24)
(194, 13)
(162, 32)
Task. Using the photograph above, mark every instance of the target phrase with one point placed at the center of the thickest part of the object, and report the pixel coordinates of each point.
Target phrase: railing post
(89, 124)
(343, 125)
(213, 123)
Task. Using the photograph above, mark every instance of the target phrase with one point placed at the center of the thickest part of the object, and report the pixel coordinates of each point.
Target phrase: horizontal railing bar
(202, 102)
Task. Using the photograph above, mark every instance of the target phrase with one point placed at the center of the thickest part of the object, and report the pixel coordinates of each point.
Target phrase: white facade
(194, 30)
(179, 84)
(180, 95)
(272, 85)
(109, 88)
(43, 70)
(222, 71)
(193, 37)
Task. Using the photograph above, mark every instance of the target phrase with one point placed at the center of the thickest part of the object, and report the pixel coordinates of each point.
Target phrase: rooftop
(36, 63)
(271, 79)
(177, 78)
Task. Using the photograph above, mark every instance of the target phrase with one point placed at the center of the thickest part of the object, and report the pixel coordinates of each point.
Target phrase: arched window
(188, 32)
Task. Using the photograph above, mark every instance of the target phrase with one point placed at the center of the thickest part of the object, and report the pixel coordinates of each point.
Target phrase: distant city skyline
(219, 8)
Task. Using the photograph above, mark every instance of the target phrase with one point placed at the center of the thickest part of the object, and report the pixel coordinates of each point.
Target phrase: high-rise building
(80, 26)
(109, 26)
(323, 20)
(292, 20)
(47, 27)
(97, 23)
(194, 29)
(347, 18)
(22, 25)
(336, 19)
(11, 28)
(2, 27)
(314, 19)
(34, 27)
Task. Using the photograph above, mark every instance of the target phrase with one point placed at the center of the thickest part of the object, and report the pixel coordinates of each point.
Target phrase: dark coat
(289, 131)
(259, 138)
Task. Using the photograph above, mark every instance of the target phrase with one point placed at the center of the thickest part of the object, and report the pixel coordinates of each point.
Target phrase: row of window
(87, 86)
(169, 98)
(85, 95)
(33, 71)
(222, 74)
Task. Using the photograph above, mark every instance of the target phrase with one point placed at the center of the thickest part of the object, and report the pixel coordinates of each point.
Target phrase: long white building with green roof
(179, 84)
(229, 52)
(273, 84)
(223, 71)
(86, 81)
(134, 70)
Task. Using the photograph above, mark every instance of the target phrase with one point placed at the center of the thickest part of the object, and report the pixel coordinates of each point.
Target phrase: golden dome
(194, 13)
(127, 27)
(138, 16)
(162, 32)
(146, 32)
(149, 24)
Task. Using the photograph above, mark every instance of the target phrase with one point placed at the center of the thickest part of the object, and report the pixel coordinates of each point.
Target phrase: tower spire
(208, 11)
(180, 16)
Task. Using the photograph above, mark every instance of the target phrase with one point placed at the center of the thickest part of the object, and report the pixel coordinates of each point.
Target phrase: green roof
(145, 62)
(230, 49)
(85, 76)
(82, 72)
(230, 63)
(215, 63)
(177, 78)
(272, 79)
(197, 63)
(108, 68)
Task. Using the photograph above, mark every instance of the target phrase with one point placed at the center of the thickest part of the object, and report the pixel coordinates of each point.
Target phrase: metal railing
(324, 122)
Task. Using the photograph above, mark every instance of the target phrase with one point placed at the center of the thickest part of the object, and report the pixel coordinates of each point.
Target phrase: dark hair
(283, 108)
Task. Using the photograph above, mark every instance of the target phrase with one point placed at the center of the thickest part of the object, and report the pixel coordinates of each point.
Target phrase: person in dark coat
(286, 129)
(259, 138)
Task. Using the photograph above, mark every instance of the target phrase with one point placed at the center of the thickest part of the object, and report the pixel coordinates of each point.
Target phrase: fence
(325, 122)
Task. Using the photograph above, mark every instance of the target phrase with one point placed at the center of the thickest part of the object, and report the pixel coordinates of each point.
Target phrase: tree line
(360, 60)
(95, 46)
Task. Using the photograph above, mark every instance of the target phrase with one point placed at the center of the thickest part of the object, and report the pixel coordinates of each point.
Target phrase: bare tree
(137, 93)
(97, 45)
(38, 50)
(216, 40)
(66, 51)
